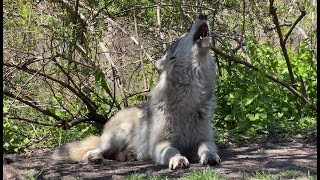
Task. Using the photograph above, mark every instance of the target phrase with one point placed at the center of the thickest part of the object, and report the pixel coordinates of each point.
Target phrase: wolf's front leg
(165, 154)
(208, 153)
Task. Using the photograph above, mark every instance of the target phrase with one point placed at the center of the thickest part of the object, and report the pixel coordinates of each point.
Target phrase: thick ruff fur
(174, 126)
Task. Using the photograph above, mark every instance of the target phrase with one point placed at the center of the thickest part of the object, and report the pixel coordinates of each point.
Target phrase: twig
(100, 10)
(161, 34)
(29, 120)
(281, 25)
(141, 57)
(183, 16)
(101, 119)
(115, 71)
(303, 87)
(303, 13)
(136, 93)
(55, 96)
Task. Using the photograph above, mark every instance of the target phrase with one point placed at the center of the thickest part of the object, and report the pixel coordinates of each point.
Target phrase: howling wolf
(174, 126)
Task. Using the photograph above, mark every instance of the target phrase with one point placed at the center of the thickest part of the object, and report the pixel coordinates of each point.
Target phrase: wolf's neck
(201, 60)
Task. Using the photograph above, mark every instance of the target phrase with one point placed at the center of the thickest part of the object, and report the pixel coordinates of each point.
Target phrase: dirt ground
(270, 157)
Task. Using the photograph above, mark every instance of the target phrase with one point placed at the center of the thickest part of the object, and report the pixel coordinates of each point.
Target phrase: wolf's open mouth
(202, 32)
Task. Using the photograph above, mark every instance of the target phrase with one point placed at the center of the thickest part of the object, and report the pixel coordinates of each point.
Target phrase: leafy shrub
(250, 105)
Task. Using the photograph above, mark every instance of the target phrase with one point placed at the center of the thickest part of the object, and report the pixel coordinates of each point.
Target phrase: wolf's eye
(172, 57)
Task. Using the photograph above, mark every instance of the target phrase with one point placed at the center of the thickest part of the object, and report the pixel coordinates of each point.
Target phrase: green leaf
(285, 109)
(100, 80)
(5, 109)
(228, 117)
(252, 117)
(6, 144)
(250, 100)
(251, 131)
(85, 129)
(26, 141)
(280, 114)
(263, 115)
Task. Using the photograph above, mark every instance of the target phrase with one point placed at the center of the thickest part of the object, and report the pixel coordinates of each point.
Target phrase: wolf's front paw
(92, 157)
(178, 161)
(210, 159)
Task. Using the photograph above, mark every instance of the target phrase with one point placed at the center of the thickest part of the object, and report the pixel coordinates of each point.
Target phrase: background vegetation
(70, 65)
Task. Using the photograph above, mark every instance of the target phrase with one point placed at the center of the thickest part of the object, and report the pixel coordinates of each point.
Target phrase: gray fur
(175, 125)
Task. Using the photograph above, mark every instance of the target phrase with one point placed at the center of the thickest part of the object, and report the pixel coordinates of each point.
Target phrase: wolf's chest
(189, 136)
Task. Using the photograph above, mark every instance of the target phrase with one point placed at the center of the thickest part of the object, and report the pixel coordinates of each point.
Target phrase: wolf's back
(76, 150)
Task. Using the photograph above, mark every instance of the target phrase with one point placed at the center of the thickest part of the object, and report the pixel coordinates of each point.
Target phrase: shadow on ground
(271, 158)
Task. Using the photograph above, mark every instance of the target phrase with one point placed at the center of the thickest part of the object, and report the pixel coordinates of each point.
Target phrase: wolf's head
(191, 46)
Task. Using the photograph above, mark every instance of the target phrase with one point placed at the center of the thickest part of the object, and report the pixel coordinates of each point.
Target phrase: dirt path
(271, 158)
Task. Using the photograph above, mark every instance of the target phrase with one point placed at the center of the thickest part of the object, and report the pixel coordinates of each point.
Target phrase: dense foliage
(70, 65)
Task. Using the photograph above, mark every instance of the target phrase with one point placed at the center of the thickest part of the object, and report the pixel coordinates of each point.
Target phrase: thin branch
(101, 119)
(273, 12)
(243, 21)
(29, 120)
(100, 10)
(303, 13)
(281, 25)
(114, 101)
(161, 34)
(303, 87)
(141, 57)
(77, 121)
(137, 93)
(183, 16)
(55, 96)
(116, 72)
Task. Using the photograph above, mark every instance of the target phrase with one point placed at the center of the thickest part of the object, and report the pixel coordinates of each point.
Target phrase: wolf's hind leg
(165, 154)
(207, 152)
(96, 155)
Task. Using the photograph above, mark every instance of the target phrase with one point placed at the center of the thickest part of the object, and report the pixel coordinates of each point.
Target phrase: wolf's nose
(203, 16)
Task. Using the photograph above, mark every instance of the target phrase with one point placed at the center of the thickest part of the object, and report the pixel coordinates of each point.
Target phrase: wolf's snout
(203, 17)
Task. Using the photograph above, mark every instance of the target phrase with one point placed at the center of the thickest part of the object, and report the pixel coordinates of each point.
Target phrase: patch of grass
(140, 176)
(205, 174)
(290, 174)
(137, 176)
(210, 174)
(31, 176)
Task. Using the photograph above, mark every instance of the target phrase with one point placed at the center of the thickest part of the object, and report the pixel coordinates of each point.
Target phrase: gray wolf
(174, 126)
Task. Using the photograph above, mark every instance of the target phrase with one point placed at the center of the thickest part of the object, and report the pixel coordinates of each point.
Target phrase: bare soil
(270, 157)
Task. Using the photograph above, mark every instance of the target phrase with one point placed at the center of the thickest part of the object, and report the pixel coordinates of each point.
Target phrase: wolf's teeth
(200, 37)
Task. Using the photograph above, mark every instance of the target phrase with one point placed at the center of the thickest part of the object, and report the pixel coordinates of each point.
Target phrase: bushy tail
(76, 150)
